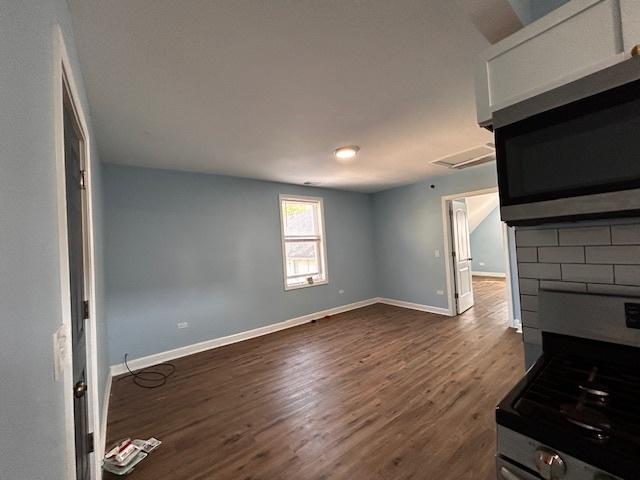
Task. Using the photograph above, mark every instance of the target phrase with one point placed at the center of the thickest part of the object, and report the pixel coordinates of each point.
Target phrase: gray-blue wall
(408, 229)
(32, 431)
(206, 249)
(486, 245)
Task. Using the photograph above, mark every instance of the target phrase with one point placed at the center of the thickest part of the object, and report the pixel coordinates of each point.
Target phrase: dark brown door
(73, 148)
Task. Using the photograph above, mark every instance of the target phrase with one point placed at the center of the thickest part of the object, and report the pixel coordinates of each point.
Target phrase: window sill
(305, 285)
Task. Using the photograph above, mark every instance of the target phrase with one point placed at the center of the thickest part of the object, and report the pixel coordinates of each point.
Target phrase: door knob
(79, 389)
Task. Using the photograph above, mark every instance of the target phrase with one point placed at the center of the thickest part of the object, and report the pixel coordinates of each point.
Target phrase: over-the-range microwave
(573, 152)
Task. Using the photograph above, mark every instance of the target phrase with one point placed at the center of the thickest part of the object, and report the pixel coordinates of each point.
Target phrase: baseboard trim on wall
(169, 355)
(489, 274)
(416, 306)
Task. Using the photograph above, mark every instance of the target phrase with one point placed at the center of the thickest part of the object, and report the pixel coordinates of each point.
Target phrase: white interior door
(461, 255)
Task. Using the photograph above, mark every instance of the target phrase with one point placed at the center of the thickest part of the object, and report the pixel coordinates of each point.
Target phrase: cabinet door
(630, 21)
(577, 39)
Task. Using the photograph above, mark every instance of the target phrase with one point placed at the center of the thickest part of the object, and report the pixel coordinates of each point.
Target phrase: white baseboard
(102, 442)
(489, 274)
(416, 306)
(169, 355)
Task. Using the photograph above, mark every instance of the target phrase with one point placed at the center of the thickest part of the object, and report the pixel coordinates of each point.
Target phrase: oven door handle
(507, 474)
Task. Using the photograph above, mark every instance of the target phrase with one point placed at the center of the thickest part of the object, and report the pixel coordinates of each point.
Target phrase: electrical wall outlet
(341, 292)
(183, 324)
(482, 264)
(440, 292)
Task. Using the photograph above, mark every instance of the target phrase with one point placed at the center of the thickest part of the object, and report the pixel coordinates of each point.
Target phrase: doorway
(75, 341)
(76, 202)
(480, 252)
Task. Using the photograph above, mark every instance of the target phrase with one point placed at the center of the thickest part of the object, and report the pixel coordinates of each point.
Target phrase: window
(303, 247)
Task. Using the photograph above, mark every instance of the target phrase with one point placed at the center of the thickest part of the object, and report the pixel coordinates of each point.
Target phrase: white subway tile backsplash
(530, 319)
(542, 271)
(587, 273)
(627, 274)
(623, 290)
(529, 302)
(563, 286)
(561, 254)
(625, 234)
(527, 254)
(528, 286)
(621, 254)
(585, 236)
(536, 238)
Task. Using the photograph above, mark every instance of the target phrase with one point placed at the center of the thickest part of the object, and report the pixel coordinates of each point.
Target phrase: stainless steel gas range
(576, 413)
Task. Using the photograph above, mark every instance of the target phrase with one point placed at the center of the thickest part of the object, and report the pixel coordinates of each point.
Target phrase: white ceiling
(479, 207)
(267, 89)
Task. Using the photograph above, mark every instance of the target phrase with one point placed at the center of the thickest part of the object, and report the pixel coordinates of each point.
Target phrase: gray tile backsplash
(536, 238)
(600, 235)
(527, 254)
(547, 271)
(563, 286)
(601, 259)
(560, 254)
(627, 274)
(614, 254)
(625, 234)
(587, 273)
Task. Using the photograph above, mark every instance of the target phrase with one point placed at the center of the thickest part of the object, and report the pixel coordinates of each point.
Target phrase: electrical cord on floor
(151, 377)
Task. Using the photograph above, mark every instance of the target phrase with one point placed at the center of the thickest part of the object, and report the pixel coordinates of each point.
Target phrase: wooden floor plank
(380, 392)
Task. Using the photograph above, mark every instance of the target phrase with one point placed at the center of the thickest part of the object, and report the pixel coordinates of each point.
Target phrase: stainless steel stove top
(576, 413)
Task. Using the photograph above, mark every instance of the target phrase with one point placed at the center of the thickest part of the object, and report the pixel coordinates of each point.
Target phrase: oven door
(509, 471)
(580, 160)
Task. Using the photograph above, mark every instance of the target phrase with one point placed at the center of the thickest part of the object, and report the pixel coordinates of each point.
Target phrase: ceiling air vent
(468, 158)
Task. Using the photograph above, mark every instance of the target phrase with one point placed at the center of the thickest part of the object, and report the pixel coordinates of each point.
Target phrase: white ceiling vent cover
(468, 158)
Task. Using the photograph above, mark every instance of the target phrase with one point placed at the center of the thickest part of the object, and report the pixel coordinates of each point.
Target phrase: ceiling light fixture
(346, 153)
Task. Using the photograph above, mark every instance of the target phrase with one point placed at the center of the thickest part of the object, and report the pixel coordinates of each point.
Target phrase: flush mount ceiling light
(346, 153)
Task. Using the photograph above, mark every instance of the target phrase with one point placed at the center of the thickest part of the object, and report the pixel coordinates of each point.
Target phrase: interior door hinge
(456, 296)
(85, 310)
(83, 179)
(90, 443)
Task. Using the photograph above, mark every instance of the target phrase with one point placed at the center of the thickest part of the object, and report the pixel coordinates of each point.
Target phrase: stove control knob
(550, 465)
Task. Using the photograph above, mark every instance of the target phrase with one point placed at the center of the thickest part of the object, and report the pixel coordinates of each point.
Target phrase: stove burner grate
(599, 401)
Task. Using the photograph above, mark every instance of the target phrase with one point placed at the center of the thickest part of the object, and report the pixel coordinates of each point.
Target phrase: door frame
(64, 77)
(450, 281)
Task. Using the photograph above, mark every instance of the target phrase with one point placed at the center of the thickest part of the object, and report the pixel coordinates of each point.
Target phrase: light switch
(436, 253)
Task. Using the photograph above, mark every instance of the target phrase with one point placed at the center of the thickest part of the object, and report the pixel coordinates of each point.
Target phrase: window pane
(300, 218)
(303, 259)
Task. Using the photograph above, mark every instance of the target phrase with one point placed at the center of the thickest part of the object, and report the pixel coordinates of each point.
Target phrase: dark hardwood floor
(376, 393)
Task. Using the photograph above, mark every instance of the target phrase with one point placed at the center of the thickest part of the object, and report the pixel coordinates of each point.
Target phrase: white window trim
(323, 251)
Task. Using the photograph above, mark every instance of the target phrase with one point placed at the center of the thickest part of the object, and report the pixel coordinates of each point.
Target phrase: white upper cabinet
(579, 38)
